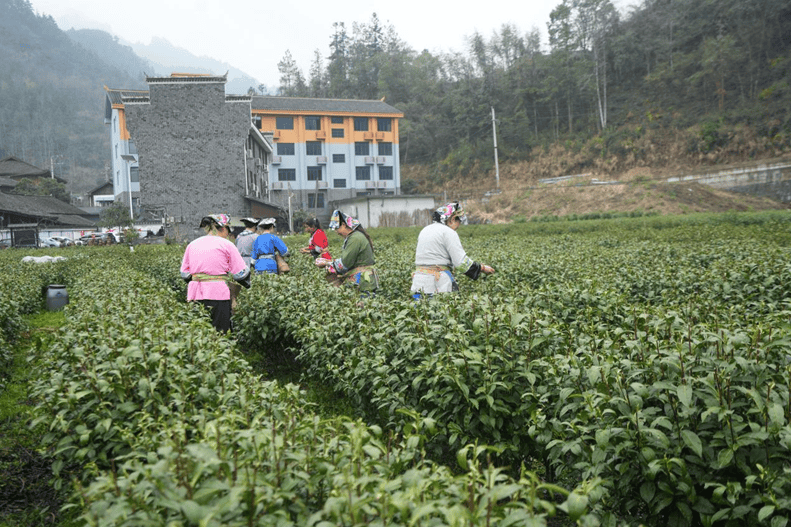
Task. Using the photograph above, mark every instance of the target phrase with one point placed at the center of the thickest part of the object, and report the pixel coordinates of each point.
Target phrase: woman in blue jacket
(264, 248)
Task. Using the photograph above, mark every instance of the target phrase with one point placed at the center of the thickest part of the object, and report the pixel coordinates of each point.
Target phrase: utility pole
(496, 161)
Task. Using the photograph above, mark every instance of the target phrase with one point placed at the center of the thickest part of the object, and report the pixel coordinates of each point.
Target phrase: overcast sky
(253, 36)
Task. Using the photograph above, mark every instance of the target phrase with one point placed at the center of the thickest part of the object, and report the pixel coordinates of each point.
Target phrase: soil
(523, 196)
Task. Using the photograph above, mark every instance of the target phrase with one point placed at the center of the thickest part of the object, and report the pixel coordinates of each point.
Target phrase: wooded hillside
(673, 82)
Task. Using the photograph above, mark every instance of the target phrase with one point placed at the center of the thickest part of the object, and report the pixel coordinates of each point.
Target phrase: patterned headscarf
(448, 211)
(250, 222)
(267, 221)
(219, 220)
(338, 217)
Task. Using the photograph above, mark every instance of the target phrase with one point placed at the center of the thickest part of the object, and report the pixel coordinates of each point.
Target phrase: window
(361, 148)
(384, 124)
(386, 173)
(286, 174)
(257, 121)
(132, 148)
(360, 124)
(314, 173)
(336, 120)
(312, 122)
(363, 193)
(363, 173)
(284, 123)
(337, 132)
(316, 201)
(385, 149)
(134, 174)
(116, 150)
(338, 158)
(339, 183)
(285, 149)
(313, 148)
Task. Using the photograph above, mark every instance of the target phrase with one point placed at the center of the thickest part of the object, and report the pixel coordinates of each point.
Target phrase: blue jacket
(264, 252)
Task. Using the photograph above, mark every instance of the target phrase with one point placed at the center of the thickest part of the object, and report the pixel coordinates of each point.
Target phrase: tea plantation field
(612, 372)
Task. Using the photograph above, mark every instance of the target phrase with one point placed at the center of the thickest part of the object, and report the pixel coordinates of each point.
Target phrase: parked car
(48, 242)
(64, 242)
(99, 238)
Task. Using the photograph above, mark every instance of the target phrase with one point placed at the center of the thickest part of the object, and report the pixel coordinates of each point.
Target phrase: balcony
(369, 160)
(321, 160)
(380, 160)
(380, 136)
(276, 160)
(321, 184)
(368, 136)
(278, 185)
(381, 184)
(370, 184)
(321, 134)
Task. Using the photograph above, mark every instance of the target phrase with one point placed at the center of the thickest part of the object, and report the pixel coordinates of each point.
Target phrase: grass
(27, 496)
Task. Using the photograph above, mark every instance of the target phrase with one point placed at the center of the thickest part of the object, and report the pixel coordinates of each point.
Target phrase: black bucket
(57, 297)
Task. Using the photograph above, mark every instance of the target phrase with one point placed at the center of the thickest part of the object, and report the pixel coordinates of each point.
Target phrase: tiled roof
(107, 184)
(44, 207)
(306, 104)
(116, 96)
(11, 166)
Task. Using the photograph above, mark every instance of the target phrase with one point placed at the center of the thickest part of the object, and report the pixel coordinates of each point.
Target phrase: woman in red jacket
(318, 243)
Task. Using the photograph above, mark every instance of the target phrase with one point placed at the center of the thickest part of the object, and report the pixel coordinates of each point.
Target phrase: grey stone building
(198, 149)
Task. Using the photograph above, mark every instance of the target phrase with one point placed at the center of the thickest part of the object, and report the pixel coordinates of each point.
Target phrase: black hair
(313, 223)
(360, 228)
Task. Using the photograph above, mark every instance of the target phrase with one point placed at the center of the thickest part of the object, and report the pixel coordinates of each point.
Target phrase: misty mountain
(52, 97)
(110, 50)
(167, 58)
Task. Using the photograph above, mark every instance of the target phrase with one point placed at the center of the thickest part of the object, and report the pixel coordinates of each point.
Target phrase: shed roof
(44, 208)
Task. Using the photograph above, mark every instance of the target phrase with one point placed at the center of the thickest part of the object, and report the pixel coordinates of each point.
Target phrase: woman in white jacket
(439, 253)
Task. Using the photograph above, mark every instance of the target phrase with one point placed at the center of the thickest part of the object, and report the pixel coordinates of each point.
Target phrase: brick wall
(190, 143)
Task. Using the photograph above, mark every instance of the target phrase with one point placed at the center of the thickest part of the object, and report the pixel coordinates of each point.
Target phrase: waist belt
(269, 256)
(351, 273)
(433, 270)
(201, 277)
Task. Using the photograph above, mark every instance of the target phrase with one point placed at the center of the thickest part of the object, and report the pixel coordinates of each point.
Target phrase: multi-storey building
(186, 148)
(123, 156)
(328, 150)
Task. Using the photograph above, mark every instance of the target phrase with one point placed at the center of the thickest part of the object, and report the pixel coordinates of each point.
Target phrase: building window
(314, 173)
(384, 124)
(336, 120)
(361, 148)
(116, 150)
(363, 193)
(312, 122)
(257, 121)
(286, 174)
(313, 148)
(316, 201)
(337, 132)
(339, 183)
(386, 173)
(360, 124)
(134, 174)
(132, 148)
(285, 149)
(363, 173)
(385, 149)
(284, 123)
(338, 158)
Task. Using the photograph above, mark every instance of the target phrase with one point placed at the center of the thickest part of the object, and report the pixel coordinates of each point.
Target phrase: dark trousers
(220, 313)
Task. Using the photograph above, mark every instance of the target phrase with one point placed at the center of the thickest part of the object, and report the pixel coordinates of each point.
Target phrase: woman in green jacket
(356, 264)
